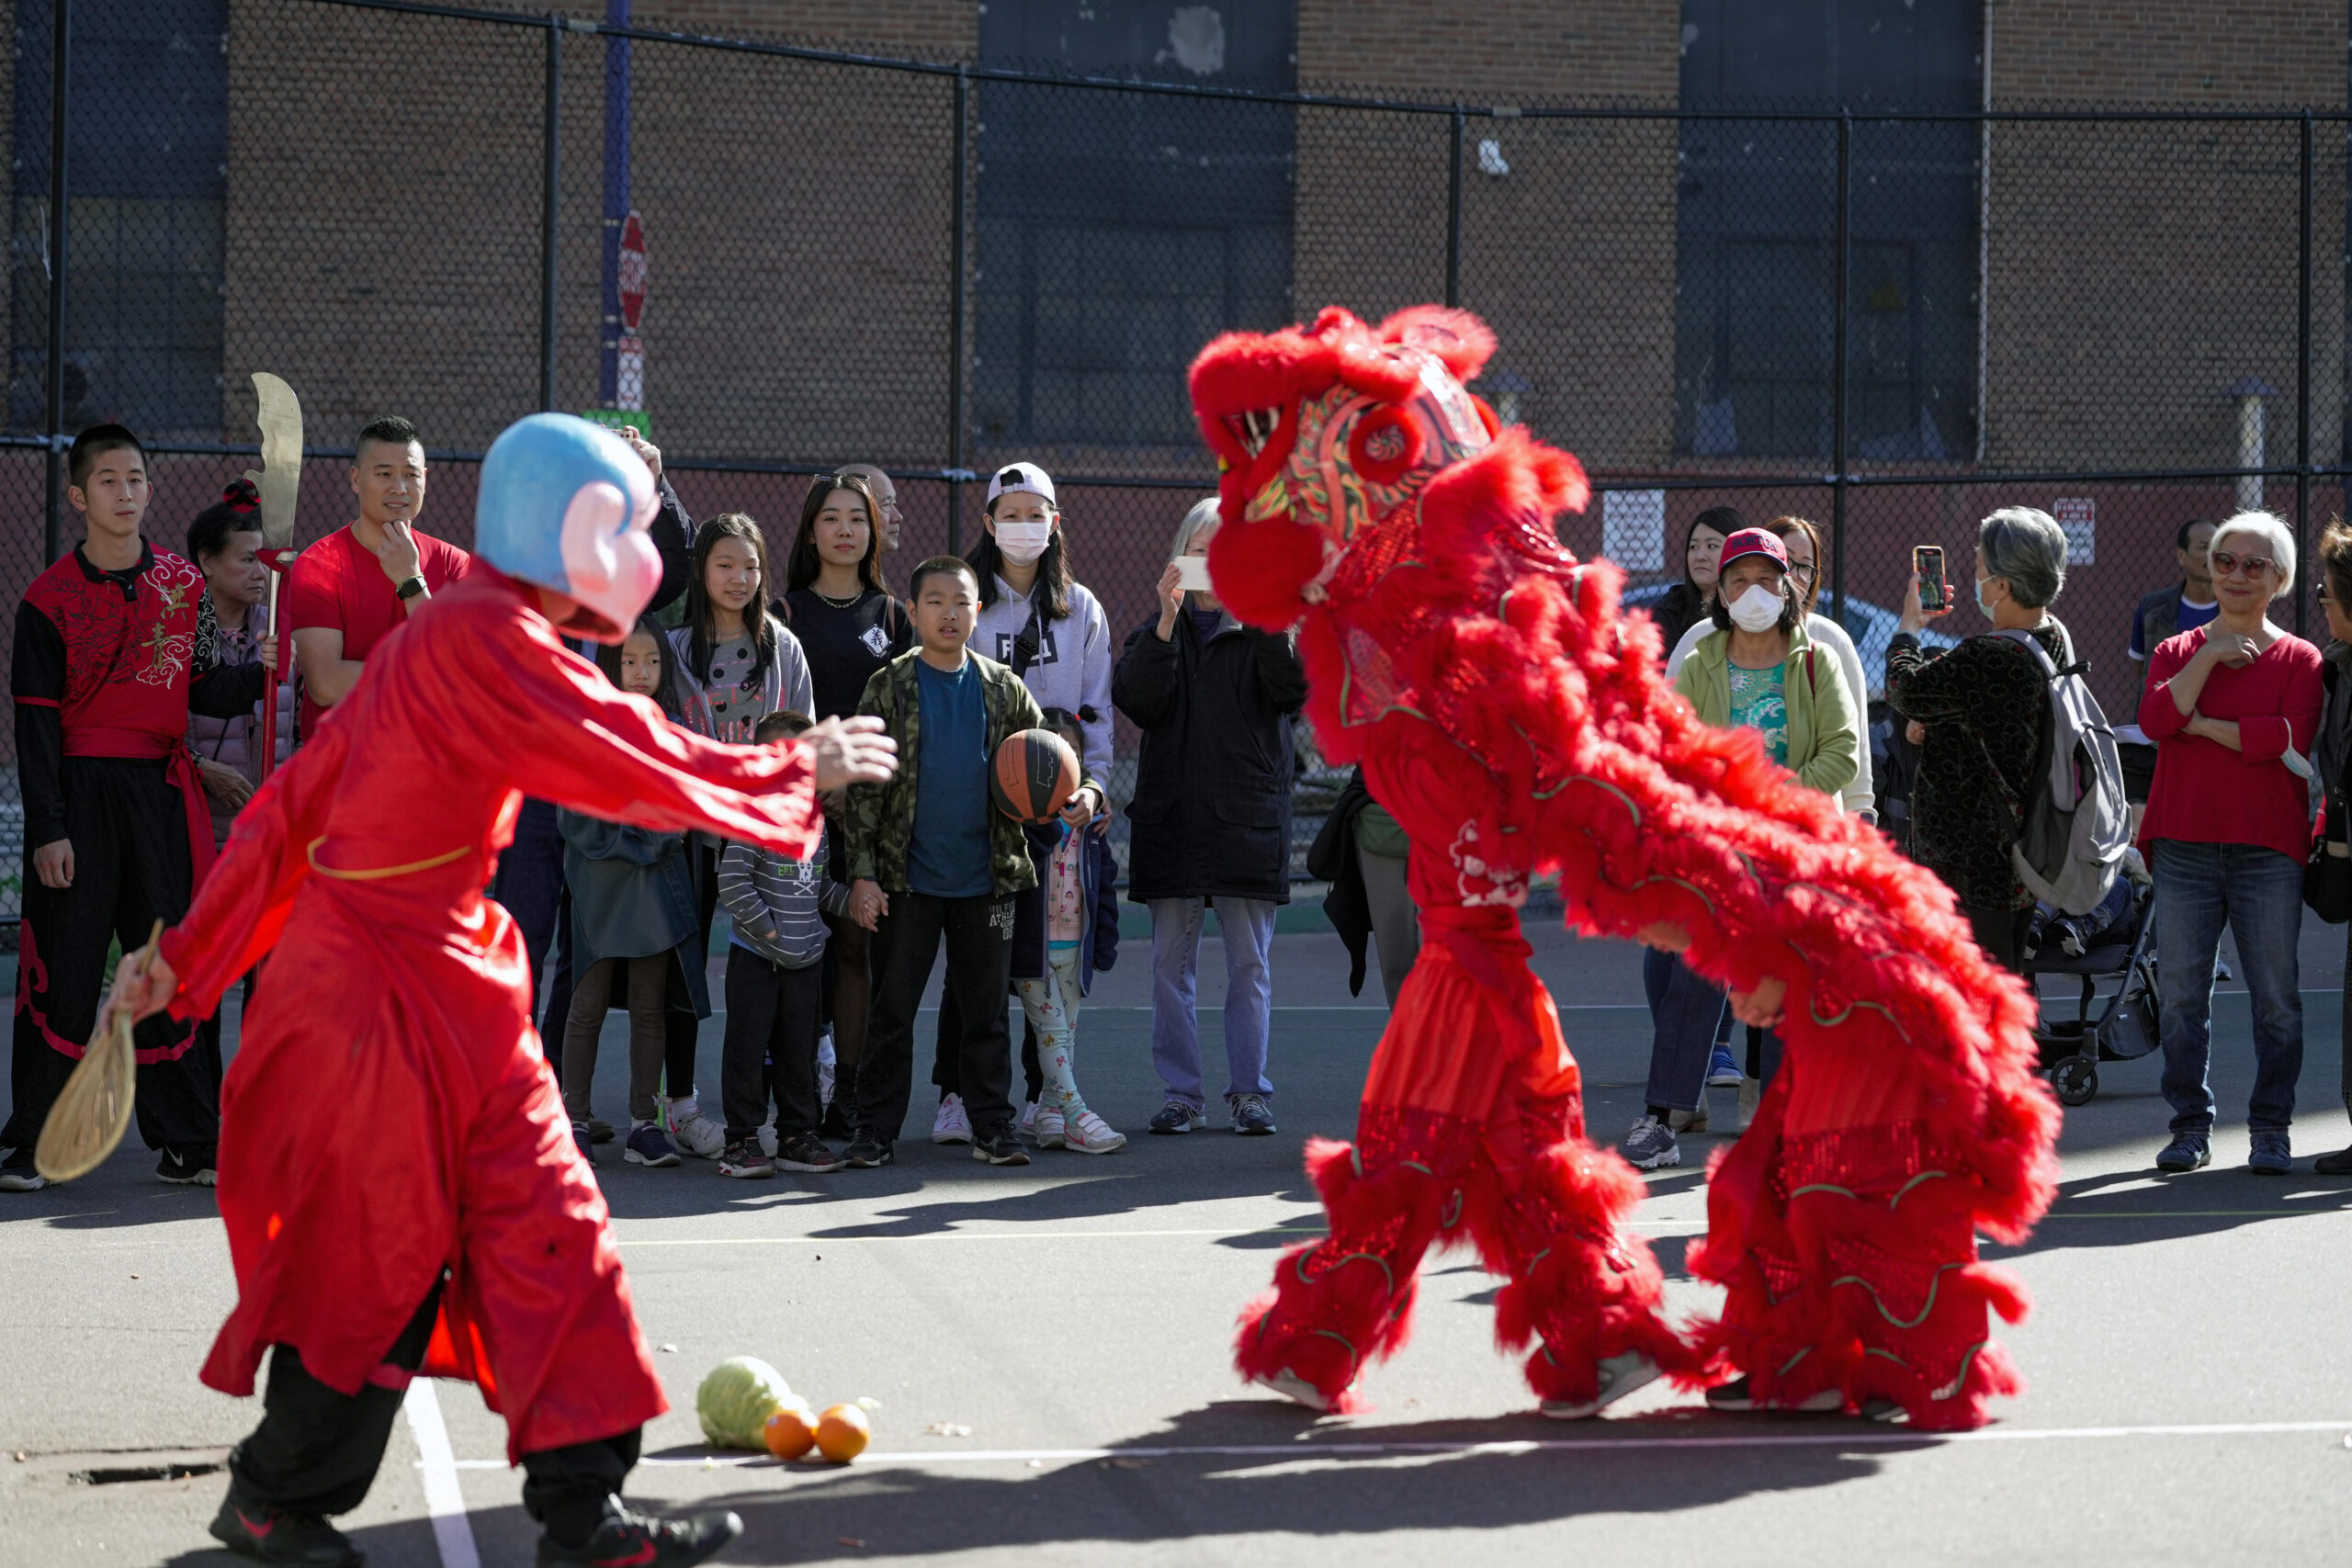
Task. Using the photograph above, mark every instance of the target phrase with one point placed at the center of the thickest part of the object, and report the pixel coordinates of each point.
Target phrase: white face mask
(1021, 543)
(1759, 609)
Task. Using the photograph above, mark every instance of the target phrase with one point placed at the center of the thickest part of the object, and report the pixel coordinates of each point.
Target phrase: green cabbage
(735, 1400)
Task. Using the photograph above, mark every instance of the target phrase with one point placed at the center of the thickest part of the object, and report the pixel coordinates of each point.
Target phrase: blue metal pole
(616, 147)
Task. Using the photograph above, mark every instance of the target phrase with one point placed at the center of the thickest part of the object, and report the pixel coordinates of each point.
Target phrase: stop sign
(632, 272)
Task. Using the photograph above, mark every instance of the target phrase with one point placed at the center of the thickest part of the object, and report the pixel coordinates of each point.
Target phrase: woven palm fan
(94, 1109)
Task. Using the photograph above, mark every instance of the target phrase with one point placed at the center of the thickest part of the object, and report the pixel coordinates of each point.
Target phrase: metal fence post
(553, 161)
(1837, 351)
(60, 37)
(2304, 377)
(956, 318)
(1454, 215)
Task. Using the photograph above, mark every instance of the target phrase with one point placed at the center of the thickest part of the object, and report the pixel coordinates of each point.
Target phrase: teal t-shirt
(1758, 702)
(947, 856)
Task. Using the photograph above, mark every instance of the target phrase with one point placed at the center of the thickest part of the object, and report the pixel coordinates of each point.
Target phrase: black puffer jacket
(1211, 808)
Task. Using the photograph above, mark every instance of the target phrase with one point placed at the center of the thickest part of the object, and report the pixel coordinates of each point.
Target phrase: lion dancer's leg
(1472, 1125)
(1845, 1239)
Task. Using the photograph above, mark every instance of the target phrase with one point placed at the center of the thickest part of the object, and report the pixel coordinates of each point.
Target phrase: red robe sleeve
(564, 733)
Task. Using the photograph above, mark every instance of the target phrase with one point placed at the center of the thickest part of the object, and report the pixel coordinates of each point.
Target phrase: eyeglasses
(1806, 570)
(2226, 564)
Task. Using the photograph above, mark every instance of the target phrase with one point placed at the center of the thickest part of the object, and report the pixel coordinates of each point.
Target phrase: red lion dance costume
(1511, 717)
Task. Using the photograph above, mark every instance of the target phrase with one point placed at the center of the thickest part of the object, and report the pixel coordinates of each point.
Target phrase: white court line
(1877, 1437)
(452, 1535)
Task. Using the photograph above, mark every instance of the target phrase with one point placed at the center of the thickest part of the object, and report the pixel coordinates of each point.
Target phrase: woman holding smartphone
(1211, 816)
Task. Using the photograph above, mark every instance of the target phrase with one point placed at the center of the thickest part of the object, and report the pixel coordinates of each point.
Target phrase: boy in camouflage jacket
(931, 859)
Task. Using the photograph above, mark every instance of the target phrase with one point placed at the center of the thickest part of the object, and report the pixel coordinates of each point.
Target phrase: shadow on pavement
(866, 1511)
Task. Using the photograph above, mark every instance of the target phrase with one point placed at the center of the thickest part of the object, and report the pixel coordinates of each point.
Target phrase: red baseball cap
(1754, 542)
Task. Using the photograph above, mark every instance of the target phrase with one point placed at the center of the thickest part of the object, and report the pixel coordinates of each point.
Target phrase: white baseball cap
(1015, 477)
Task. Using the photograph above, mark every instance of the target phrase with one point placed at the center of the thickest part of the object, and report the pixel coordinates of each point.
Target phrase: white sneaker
(1090, 1134)
(951, 1125)
(1620, 1375)
(1050, 1130)
(693, 1133)
(22, 1179)
(1029, 1120)
(1752, 1091)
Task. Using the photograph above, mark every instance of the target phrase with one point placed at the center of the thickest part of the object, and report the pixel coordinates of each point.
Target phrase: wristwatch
(412, 589)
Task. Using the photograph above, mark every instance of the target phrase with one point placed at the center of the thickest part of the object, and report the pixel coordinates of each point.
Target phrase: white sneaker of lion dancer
(1620, 1375)
(951, 1125)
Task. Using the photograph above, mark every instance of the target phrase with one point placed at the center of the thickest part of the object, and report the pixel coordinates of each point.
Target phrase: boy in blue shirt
(932, 860)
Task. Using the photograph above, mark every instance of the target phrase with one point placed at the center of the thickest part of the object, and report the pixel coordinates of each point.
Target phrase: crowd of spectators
(2240, 739)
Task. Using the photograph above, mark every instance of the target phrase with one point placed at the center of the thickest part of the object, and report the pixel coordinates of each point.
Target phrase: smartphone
(1927, 560)
(1193, 573)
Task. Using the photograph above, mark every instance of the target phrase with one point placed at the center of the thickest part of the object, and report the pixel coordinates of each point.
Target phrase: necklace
(837, 604)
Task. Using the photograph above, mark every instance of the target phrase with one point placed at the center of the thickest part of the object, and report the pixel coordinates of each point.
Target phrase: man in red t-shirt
(348, 592)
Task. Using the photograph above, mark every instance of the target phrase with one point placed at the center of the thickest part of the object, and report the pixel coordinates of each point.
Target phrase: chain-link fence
(1890, 323)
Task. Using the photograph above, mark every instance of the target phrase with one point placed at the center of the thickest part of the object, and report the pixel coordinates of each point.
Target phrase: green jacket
(1825, 735)
(882, 816)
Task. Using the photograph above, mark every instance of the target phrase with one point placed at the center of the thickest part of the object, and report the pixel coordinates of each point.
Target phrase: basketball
(1035, 774)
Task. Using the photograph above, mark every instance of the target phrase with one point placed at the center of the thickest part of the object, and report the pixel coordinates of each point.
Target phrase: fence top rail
(2283, 113)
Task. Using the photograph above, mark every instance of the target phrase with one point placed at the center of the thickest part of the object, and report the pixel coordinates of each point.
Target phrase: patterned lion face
(1322, 430)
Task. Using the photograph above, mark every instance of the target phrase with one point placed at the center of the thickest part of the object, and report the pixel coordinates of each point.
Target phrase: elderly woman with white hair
(1984, 702)
(1211, 821)
(2234, 707)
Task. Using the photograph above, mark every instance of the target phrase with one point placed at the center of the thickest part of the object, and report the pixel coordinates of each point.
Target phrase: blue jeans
(2258, 894)
(1249, 927)
(1687, 1015)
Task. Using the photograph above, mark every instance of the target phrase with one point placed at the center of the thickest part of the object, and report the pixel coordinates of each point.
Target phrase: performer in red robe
(398, 1178)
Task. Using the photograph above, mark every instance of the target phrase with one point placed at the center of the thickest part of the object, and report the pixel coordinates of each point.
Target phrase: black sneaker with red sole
(644, 1541)
(271, 1535)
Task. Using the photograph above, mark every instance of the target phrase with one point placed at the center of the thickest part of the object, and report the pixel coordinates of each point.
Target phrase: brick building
(354, 199)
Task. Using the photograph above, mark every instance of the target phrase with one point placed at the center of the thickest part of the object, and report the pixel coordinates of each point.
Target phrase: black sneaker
(866, 1152)
(187, 1165)
(805, 1151)
(648, 1540)
(271, 1535)
(997, 1144)
(2186, 1152)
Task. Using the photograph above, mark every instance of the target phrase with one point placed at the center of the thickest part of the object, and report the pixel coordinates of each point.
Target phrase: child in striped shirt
(776, 968)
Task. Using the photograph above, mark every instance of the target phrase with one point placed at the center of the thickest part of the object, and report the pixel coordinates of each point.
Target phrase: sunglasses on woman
(2226, 564)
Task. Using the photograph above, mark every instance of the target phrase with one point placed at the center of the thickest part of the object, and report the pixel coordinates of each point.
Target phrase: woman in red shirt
(2234, 707)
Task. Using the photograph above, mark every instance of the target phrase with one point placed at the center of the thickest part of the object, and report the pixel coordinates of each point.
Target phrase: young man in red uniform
(114, 646)
(345, 594)
(397, 1016)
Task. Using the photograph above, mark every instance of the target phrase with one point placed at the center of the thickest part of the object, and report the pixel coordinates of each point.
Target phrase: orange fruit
(791, 1431)
(842, 1433)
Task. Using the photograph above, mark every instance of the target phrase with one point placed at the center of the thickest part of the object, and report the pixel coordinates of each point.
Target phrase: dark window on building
(147, 171)
(1755, 261)
(1117, 232)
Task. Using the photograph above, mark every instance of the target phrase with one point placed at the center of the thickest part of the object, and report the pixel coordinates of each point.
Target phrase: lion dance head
(1323, 431)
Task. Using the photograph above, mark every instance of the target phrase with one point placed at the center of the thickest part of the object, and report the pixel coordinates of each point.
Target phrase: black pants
(2001, 933)
(686, 1029)
(129, 829)
(773, 1016)
(978, 934)
(947, 1048)
(530, 885)
(316, 1451)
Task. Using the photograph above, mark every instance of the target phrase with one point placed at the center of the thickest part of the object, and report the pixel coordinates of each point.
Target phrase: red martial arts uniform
(107, 666)
(390, 1113)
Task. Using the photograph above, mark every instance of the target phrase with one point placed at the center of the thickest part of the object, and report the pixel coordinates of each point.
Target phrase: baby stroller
(2116, 1027)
